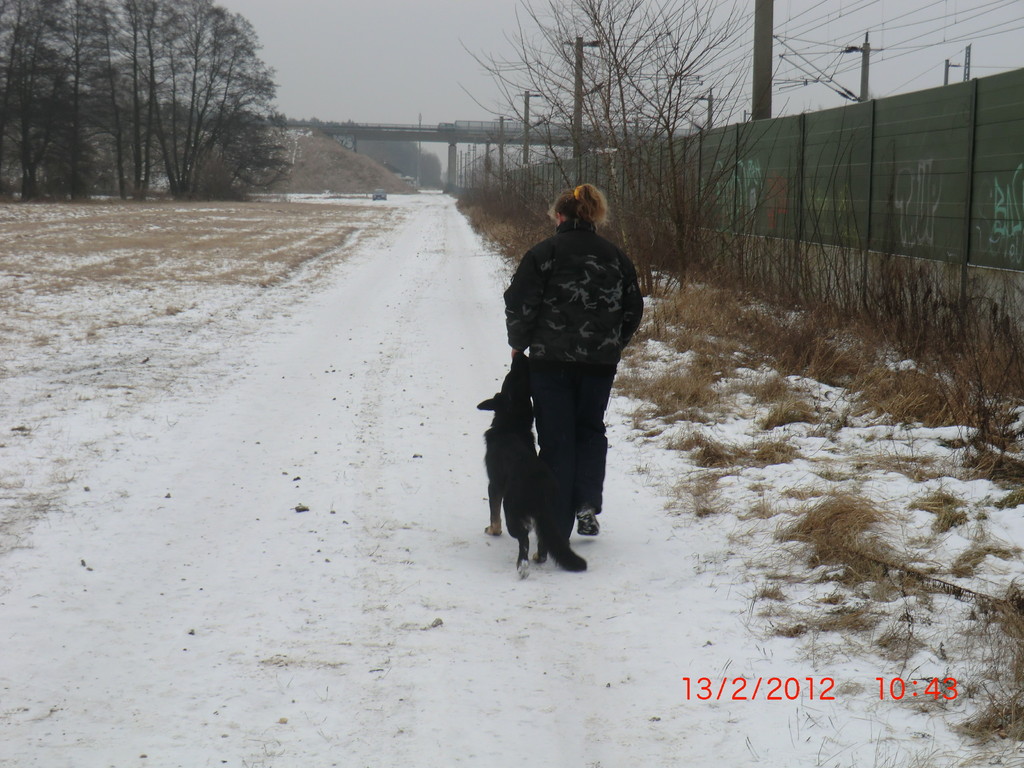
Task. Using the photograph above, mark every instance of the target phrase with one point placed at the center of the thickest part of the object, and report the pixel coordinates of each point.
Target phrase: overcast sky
(391, 61)
(384, 61)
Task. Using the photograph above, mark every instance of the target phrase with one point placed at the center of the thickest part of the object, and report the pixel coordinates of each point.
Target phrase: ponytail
(585, 202)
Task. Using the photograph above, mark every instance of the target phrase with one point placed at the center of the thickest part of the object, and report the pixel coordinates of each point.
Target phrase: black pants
(569, 407)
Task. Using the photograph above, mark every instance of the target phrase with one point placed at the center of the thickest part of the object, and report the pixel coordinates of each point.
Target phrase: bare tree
(37, 80)
(140, 36)
(214, 85)
(8, 44)
(109, 91)
(650, 72)
(81, 38)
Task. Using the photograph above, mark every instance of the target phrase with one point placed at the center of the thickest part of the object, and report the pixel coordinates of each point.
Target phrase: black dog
(517, 478)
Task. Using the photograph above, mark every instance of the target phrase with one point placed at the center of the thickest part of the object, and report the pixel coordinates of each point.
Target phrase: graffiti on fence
(1006, 235)
(777, 200)
(750, 177)
(918, 193)
(831, 214)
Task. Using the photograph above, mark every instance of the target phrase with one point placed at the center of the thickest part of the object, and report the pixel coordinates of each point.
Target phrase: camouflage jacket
(573, 299)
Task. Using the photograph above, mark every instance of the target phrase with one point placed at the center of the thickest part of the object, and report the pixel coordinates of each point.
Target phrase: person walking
(574, 303)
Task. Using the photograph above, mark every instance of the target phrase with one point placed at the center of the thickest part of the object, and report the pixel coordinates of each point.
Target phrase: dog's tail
(558, 547)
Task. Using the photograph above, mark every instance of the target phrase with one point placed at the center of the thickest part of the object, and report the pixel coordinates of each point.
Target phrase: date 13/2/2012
(760, 688)
(810, 688)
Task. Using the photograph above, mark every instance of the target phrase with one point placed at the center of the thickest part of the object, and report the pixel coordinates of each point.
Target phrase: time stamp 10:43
(810, 688)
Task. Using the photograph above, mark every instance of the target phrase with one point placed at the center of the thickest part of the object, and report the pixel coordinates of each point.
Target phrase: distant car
(380, 194)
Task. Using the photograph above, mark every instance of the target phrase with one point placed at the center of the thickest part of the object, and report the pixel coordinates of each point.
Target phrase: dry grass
(968, 561)
(800, 344)
(147, 244)
(837, 529)
(698, 496)
(685, 392)
(1001, 636)
(709, 321)
(791, 410)
(913, 467)
(709, 453)
(770, 592)
(991, 464)
(706, 451)
(772, 388)
(768, 452)
(802, 494)
(703, 494)
(848, 619)
(763, 509)
(898, 642)
(791, 630)
(1013, 499)
(908, 397)
(946, 507)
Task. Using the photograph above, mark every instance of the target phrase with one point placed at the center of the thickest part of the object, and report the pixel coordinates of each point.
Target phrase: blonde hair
(585, 202)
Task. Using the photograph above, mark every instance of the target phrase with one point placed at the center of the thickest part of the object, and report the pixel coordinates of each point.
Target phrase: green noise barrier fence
(935, 174)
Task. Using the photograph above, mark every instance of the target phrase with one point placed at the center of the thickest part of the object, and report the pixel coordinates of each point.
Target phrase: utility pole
(501, 149)
(577, 111)
(966, 65)
(865, 61)
(526, 125)
(945, 78)
(865, 58)
(764, 12)
(419, 154)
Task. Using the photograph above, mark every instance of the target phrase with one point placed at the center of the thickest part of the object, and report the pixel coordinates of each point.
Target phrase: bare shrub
(1000, 641)
(802, 344)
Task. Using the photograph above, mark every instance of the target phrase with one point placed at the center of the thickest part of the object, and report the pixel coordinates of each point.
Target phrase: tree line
(131, 98)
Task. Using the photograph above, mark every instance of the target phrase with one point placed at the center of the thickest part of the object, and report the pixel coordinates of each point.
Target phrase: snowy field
(242, 504)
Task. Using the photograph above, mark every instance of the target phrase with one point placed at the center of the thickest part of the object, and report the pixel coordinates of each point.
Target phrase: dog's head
(492, 404)
(512, 406)
(509, 414)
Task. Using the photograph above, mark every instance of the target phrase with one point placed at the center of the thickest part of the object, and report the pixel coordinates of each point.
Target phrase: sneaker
(586, 522)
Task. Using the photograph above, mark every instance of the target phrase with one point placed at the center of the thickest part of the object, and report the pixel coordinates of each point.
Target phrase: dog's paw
(523, 566)
(493, 530)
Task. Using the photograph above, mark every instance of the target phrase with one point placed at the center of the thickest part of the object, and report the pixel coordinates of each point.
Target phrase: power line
(824, 62)
(908, 50)
(830, 16)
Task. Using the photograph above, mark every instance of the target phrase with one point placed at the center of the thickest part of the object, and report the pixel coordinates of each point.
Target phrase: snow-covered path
(292, 571)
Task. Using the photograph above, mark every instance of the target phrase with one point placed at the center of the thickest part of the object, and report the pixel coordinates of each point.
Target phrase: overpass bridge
(500, 132)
